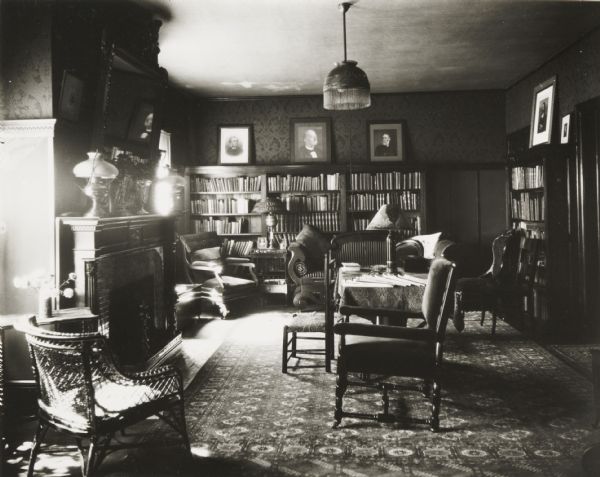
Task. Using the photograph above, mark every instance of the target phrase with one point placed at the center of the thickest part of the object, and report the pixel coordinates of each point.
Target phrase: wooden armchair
(82, 393)
(216, 278)
(370, 349)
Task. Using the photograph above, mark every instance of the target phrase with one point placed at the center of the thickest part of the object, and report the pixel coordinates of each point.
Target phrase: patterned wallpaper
(26, 63)
(578, 79)
(441, 127)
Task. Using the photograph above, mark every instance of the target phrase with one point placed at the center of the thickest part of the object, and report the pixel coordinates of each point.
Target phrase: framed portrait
(71, 95)
(565, 127)
(141, 121)
(542, 111)
(235, 144)
(310, 140)
(386, 141)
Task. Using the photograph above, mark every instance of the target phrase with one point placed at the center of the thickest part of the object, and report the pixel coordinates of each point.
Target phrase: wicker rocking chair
(83, 394)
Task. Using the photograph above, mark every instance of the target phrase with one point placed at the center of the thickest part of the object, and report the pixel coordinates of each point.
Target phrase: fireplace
(128, 265)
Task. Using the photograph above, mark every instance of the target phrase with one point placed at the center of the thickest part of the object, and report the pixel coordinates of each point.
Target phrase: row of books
(225, 184)
(536, 231)
(406, 199)
(304, 183)
(311, 203)
(325, 221)
(528, 206)
(400, 234)
(385, 180)
(236, 248)
(232, 205)
(524, 177)
(237, 225)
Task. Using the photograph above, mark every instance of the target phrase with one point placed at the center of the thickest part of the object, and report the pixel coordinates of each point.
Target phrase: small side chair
(82, 394)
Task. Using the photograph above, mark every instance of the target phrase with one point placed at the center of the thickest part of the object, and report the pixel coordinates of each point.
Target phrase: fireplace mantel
(86, 243)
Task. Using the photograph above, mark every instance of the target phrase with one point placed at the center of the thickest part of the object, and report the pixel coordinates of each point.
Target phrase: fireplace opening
(130, 301)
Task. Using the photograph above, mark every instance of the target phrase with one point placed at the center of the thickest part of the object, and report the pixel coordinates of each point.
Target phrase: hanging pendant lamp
(346, 86)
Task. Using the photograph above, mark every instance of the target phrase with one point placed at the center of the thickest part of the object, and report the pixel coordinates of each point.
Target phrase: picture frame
(71, 97)
(235, 144)
(386, 141)
(542, 112)
(141, 121)
(565, 129)
(310, 140)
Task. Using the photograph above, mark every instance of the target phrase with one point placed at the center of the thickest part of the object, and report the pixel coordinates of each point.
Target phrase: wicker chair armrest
(384, 331)
(154, 374)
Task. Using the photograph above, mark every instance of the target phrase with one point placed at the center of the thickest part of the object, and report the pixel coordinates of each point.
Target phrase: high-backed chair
(82, 393)
(482, 293)
(398, 351)
(305, 267)
(217, 278)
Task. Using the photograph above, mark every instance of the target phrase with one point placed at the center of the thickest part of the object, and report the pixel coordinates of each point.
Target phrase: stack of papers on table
(350, 267)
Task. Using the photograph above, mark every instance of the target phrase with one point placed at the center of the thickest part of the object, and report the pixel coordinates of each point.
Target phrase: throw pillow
(315, 244)
(206, 254)
(428, 242)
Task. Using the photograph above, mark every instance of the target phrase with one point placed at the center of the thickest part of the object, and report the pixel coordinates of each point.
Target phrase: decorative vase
(44, 304)
(143, 192)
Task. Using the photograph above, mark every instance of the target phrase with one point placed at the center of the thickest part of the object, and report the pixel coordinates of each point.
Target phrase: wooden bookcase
(538, 204)
(333, 198)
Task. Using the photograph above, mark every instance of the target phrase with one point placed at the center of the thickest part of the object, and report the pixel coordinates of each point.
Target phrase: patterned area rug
(576, 355)
(509, 408)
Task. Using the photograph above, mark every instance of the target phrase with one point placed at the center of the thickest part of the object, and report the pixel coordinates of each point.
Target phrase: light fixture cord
(345, 7)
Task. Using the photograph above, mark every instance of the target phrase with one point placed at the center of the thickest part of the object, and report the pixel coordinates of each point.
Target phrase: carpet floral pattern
(508, 408)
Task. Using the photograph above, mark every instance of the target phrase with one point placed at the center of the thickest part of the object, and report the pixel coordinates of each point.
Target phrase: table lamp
(389, 217)
(269, 206)
(99, 174)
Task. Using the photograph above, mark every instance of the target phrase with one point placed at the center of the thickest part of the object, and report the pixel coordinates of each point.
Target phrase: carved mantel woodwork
(105, 250)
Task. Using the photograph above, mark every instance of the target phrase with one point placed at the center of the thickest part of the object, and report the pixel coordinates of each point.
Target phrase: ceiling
(235, 48)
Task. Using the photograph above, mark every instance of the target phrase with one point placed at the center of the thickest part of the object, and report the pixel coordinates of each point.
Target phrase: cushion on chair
(429, 242)
(315, 245)
(211, 253)
(388, 356)
(308, 323)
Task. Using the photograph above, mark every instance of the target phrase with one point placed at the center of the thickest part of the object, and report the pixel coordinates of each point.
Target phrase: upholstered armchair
(369, 349)
(215, 277)
(83, 394)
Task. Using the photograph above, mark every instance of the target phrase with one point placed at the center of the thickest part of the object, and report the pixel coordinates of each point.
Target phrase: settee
(309, 252)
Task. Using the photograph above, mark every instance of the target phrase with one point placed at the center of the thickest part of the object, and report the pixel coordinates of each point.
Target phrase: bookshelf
(538, 205)
(307, 199)
(369, 190)
(222, 202)
(333, 198)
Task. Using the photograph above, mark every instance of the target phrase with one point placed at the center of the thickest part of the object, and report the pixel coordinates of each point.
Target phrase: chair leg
(294, 338)
(340, 389)
(40, 433)
(482, 317)
(436, 398)
(179, 412)
(426, 390)
(494, 318)
(284, 350)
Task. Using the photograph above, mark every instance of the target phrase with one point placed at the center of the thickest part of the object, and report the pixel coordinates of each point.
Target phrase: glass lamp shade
(267, 206)
(346, 87)
(95, 167)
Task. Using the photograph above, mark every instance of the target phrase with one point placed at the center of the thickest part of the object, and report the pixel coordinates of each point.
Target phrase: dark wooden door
(587, 221)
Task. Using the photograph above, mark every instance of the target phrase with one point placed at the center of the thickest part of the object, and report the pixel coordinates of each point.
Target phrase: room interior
(154, 187)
